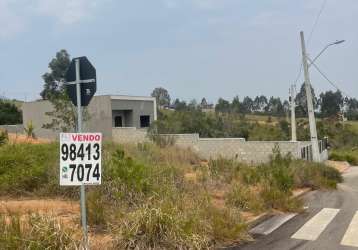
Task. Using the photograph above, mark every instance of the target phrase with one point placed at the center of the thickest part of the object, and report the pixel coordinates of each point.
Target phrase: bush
(245, 199)
(275, 198)
(315, 175)
(349, 155)
(28, 169)
(4, 137)
(24, 167)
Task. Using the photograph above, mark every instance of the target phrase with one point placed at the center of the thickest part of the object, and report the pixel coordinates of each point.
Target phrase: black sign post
(81, 86)
(87, 80)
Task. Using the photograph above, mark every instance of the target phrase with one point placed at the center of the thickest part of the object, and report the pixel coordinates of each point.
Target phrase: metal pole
(311, 116)
(293, 114)
(79, 130)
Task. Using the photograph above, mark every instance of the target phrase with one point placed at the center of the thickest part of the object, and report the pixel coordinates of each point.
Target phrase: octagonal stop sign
(87, 80)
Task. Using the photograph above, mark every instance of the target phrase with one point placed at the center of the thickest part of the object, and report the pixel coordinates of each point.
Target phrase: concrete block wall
(14, 129)
(185, 140)
(129, 135)
(252, 152)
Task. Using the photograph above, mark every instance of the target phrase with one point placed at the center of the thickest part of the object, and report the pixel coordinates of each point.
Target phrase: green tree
(162, 96)
(331, 103)
(9, 113)
(180, 105)
(275, 106)
(259, 103)
(301, 101)
(54, 80)
(351, 105)
(222, 106)
(236, 105)
(64, 113)
(247, 105)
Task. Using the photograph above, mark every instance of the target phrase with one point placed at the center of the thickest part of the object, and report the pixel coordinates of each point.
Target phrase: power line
(323, 5)
(328, 80)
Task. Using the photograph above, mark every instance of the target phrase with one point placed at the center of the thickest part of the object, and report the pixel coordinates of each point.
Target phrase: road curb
(259, 219)
(265, 216)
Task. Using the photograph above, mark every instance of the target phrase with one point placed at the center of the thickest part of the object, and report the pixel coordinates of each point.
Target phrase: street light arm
(324, 49)
(320, 53)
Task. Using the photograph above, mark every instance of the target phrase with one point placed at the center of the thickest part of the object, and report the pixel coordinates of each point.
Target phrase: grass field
(158, 198)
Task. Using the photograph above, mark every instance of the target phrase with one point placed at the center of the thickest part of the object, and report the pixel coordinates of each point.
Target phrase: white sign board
(80, 159)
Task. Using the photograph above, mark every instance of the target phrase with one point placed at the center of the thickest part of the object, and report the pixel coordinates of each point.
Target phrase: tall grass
(35, 232)
(345, 154)
(146, 201)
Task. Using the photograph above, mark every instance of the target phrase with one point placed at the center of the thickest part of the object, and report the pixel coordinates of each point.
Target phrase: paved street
(329, 223)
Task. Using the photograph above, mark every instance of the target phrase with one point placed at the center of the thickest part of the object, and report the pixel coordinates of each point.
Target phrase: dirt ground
(67, 212)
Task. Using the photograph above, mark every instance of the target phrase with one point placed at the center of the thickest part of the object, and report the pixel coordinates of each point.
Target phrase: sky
(193, 48)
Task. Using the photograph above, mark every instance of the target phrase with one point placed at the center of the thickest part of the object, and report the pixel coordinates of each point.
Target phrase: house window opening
(144, 121)
(118, 121)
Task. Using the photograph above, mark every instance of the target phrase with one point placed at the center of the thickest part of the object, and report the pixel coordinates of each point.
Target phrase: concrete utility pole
(311, 117)
(79, 130)
(293, 113)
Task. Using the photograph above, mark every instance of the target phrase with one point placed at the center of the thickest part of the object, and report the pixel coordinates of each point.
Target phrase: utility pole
(293, 113)
(311, 116)
(79, 130)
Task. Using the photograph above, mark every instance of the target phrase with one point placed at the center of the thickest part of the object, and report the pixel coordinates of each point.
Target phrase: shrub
(244, 198)
(96, 209)
(24, 167)
(30, 130)
(222, 168)
(275, 198)
(4, 137)
(157, 227)
(315, 175)
(349, 155)
(126, 175)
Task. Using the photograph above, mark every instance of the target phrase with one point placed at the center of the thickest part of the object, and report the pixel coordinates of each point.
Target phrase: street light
(324, 49)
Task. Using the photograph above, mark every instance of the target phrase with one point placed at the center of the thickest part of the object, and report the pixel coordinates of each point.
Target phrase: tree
(236, 105)
(259, 103)
(275, 106)
(204, 103)
(54, 79)
(351, 108)
(301, 101)
(222, 106)
(247, 105)
(180, 105)
(9, 113)
(162, 96)
(331, 103)
(64, 113)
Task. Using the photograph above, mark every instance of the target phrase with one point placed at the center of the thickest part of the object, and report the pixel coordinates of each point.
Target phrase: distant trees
(162, 96)
(331, 103)
(222, 106)
(259, 104)
(351, 105)
(9, 113)
(301, 101)
(328, 104)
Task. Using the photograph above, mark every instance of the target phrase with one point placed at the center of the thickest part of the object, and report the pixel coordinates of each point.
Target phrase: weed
(35, 232)
(4, 137)
(30, 130)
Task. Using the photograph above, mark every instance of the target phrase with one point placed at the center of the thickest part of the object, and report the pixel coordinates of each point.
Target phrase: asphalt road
(329, 223)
